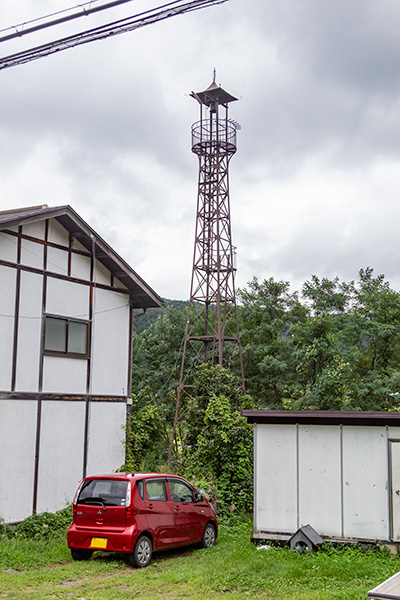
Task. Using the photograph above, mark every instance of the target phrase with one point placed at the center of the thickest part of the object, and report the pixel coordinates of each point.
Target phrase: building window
(66, 336)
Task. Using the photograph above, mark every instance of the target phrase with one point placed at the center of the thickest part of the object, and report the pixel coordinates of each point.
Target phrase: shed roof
(322, 417)
(142, 295)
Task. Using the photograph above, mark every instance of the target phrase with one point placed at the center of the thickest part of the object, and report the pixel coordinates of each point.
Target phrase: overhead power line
(149, 17)
(22, 29)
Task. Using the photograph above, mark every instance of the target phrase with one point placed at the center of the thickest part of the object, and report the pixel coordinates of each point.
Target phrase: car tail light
(74, 509)
(131, 511)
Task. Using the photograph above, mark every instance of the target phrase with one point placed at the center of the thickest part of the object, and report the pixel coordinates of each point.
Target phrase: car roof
(127, 475)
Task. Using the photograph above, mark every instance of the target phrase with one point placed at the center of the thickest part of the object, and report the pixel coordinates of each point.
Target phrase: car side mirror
(198, 497)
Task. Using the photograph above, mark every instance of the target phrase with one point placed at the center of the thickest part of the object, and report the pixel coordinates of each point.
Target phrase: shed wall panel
(365, 482)
(61, 453)
(17, 457)
(7, 309)
(106, 451)
(110, 343)
(67, 298)
(394, 454)
(8, 247)
(394, 433)
(320, 478)
(29, 332)
(64, 375)
(276, 478)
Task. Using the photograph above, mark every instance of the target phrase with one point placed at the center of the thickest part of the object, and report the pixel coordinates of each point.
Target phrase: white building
(337, 471)
(66, 302)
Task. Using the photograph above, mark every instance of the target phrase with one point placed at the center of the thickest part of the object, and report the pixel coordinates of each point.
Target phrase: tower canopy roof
(214, 93)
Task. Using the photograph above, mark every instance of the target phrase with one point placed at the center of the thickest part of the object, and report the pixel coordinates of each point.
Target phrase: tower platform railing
(206, 135)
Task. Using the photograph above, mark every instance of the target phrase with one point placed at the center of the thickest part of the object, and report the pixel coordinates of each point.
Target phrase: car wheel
(81, 553)
(141, 555)
(209, 536)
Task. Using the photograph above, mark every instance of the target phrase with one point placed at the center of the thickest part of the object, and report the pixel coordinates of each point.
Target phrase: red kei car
(138, 514)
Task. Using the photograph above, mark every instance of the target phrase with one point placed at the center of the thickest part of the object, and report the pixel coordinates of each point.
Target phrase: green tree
(157, 354)
(337, 349)
(267, 313)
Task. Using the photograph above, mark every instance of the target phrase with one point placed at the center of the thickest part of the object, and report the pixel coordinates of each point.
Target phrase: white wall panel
(61, 453)
(80, 266)
(36, 230)
(106, 437)
(29, 332)
(101, 274)
(7, 307)
(17, 457)
(68, 299)
(110, 343)
(8, 247)
(365, 482)
(276, 478)
(58, 234)
(57, 260)
(320, 478)
(32, 254)
(118, 283)
(64, 375)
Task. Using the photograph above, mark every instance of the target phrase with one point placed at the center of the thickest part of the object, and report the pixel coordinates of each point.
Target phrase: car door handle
(150, 505)
(177, 509)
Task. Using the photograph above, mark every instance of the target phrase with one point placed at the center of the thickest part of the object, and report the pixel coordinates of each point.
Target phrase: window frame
(175, 480)
(66, 352)
(152, 498)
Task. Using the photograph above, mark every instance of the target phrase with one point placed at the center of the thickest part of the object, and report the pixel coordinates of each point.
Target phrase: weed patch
(40, 568)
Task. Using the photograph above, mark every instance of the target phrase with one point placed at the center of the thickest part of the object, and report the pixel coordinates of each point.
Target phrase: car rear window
(106, 491)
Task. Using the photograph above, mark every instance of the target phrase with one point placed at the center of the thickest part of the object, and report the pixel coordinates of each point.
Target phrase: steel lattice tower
(212, 332)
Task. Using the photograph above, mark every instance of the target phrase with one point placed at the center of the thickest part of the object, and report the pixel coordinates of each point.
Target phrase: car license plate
(100, 543)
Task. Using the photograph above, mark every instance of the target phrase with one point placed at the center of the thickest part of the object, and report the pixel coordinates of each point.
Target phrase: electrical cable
(84, 13)
(123, 25)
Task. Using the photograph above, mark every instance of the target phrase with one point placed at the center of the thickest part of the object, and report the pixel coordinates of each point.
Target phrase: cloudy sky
(315, 183)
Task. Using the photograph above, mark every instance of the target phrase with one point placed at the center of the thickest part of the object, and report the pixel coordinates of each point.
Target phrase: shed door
(395, 489)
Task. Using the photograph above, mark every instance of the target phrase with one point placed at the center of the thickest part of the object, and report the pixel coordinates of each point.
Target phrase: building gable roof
(142, 295)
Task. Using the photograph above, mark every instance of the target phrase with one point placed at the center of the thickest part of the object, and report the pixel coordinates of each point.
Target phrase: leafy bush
(42, 525)
(146, 445)
(217, 448)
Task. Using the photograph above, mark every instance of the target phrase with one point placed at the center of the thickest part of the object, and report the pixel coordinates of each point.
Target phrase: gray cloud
(106, 128)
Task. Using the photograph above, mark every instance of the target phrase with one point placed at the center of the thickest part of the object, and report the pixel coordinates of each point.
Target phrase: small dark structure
(305, 538)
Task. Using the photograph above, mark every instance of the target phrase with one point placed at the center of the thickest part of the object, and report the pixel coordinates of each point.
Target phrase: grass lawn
(33, 569)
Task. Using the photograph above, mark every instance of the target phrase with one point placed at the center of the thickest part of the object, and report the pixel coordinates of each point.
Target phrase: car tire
(209, 536)
(81, 553)
(142, 553)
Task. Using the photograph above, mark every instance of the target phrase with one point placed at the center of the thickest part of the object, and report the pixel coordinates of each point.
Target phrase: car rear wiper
(93, 501)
